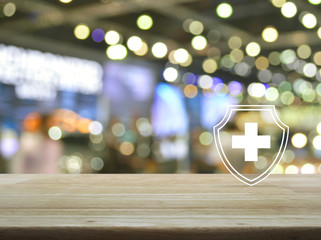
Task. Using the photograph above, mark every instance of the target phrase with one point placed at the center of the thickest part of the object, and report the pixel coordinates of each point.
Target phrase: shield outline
(277, 121)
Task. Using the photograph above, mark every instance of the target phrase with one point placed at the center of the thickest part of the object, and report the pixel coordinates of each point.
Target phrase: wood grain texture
(181, 206)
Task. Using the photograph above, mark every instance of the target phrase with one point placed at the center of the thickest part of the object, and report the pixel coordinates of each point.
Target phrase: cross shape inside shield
(255, 143)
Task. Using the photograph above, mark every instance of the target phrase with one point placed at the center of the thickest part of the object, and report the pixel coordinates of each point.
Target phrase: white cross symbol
(251, 142)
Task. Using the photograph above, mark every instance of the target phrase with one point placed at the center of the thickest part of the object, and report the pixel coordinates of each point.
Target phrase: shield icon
(251, 140)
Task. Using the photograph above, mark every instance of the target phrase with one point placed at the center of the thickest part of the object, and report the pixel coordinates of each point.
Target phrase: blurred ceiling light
(171, 57)
(209, 65)
(9, 9)
(227, 61)
(317, 142)
(319, 32)
(224, 10)
(309, 70)
(214, 36)
(196, 27)
(319, 128)
(278, 3)
(134, 43)
(317, 58)
(199, 42)
(186, 24)
(237, 55)
(143, 49)
(271, 94)
(304, 51)
(96, 163)
(256, 90)
(291, 169)
(116, 52)
(112, 37)
(126, 148)
(289, 9)
(308, 95)
(55, 133)
(287, 98)
(234, 42)
(308, 168)
(279, 169)
(270, 34)
(314, 2)
(214, 52)
(299, 140)
(253, 49)
(65, 1)
(181, 55)
(95, 128)
(235, 88)
(81, 31)
(309, 20)
(98, 35)
(288, 56)
(118, 129)
(205, 81)
(190, 91)
(274, 58)
(188, 61)
(159, 50)
(262, 63)
(265, 75)
(206, 138)
(144, 22)
(170, 74)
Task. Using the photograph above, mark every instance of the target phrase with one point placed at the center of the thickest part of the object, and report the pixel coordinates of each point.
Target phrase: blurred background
(135, 86)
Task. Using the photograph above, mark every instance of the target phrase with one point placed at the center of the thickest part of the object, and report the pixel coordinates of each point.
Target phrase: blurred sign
(37, 75)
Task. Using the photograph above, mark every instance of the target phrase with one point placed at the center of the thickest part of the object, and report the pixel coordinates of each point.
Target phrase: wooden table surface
(180, 206)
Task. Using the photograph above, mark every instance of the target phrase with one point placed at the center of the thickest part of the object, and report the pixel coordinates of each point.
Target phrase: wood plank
(180, 206)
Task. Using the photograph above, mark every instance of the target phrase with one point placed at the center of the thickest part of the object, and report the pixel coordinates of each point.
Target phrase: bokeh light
(315, 2)
(170, 74)
(224, 10)
(144, 22)
(116, 52)
(209, 65)
(134, 43)
(55, 133)
(270, 34)
(98, 35)
(289, 9)
(196, 27)
(181, 55)
(304, 51)
(159, 50)
(253, 49)
(256, 90)
(112, 37)
(309, 20)
(308, 168)
(9, 9)
(278, 3)
(318, 128)
(206, 138)
(199, 42)
(81, 31)
(317, 142)
(291, 169)
(234, 42)
(190, 91)
(299, 140)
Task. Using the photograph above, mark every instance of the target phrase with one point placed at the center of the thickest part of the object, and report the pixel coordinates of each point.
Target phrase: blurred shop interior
(136, 86)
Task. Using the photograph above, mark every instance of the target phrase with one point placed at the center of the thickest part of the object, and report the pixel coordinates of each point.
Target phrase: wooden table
(163, 206)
